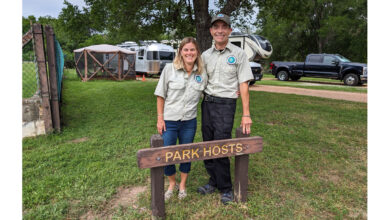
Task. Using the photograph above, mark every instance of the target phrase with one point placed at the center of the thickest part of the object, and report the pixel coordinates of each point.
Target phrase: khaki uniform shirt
(226, 70)
(181, 92)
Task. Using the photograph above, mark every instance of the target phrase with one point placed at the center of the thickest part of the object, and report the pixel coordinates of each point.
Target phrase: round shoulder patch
(231, 59)
(198, 78)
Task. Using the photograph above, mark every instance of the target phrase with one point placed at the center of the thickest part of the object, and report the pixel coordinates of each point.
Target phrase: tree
(203, 18)
(296, 28)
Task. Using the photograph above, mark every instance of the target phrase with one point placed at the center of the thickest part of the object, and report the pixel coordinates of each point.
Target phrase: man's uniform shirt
(226, 70)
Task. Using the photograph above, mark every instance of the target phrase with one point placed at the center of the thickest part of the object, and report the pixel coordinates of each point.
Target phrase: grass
(314, 162)
(307, 82)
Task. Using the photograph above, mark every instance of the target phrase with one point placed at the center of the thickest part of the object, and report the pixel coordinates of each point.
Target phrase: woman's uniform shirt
(180, 92)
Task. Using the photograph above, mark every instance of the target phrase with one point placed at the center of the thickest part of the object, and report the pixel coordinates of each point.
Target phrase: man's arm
(246, 120)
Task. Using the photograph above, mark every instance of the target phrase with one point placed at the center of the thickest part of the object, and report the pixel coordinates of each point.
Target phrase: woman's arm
(160, 115)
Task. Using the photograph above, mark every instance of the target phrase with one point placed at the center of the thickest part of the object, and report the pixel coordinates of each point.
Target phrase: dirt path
(349, 96)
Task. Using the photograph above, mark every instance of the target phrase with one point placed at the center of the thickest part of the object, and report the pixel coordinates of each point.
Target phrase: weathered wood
(27, 37)
(241, 172)
(183, 153)
(51, 56)
(41, 63)
(157, 182)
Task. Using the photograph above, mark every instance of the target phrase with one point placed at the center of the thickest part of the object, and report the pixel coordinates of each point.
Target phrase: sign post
(158, 156)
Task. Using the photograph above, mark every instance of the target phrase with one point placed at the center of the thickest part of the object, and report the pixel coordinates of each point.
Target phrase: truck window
(152, 55)
(328, 60)
(164, 55)
(314, 59)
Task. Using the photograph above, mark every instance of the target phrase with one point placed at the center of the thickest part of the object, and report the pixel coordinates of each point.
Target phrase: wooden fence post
(41, 61)
(157, 182)
(241, 172)
(51, 56)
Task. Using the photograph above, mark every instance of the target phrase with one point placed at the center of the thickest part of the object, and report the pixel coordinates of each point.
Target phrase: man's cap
(221, 17)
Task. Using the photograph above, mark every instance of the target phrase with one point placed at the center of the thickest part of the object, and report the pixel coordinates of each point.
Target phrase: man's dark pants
(217, 124)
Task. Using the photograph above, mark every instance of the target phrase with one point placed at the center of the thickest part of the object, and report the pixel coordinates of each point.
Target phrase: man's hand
(246, 120)
(246, 123)
(161, 125)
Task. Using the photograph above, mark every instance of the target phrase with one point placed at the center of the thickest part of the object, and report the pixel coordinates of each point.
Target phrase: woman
(178, 92)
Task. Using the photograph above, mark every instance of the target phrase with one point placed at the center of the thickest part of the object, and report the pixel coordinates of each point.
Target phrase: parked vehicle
(332, 66)
(256, 48)
(151, 56)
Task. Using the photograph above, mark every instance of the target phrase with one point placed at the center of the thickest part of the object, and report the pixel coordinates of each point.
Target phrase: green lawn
(314, 162)
(312, 83)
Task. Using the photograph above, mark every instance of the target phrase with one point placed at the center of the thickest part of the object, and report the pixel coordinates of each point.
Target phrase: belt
(210, 98)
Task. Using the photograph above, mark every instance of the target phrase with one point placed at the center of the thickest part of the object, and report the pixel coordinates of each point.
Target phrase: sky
(40, 8)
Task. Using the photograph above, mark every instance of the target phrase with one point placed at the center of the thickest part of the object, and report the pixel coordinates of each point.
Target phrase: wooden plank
(27, 37)
(51, 56)
(183, 153)
(241, 173)
(41, 63)
(157, 182)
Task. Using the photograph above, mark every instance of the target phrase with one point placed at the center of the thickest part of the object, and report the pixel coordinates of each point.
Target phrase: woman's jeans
(185, 132)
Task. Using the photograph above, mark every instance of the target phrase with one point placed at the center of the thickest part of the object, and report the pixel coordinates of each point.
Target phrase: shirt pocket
(198, 87)
(228, 74)
(196, 91)
(175, 90)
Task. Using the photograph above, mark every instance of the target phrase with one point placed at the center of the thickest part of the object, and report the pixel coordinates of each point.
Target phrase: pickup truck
(333, 66)
(256, 71)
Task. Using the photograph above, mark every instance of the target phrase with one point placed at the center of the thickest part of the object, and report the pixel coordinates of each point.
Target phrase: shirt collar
(228, 46)
(195, 68)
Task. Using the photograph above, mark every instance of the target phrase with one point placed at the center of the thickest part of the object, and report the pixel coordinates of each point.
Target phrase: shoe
(182, 194)
(206, 189)
(168, 194)
(227, 197)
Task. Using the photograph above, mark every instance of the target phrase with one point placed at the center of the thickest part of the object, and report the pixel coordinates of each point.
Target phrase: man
(228, 70)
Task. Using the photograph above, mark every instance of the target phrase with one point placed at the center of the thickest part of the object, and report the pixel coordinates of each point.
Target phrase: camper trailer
(256, 48)
(151, 56)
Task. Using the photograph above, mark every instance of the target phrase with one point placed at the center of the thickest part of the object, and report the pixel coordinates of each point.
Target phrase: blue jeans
(185, 132)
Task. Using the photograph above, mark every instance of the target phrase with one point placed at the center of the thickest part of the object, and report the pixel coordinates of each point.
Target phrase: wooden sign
(162, 156)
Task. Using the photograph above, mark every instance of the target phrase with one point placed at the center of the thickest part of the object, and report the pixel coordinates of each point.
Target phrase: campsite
(89, 110)
(301, 173)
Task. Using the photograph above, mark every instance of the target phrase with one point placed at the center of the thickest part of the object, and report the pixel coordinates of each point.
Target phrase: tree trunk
(202, 22)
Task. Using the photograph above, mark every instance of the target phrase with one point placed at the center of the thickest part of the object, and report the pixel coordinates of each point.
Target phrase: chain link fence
(30, 71)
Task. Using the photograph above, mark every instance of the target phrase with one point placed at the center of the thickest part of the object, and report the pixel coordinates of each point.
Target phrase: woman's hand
(160, 125)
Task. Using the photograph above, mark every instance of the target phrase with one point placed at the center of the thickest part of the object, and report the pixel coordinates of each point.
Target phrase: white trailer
(256, 48)
(151, 56)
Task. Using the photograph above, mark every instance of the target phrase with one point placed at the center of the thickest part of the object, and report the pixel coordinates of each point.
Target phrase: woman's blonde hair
(179, 63)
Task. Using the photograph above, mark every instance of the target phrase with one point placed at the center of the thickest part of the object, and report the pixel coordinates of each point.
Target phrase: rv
(256, 48)
(151, 56)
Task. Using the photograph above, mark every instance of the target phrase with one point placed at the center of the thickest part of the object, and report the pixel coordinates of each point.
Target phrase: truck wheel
(282, 75)
(351, 79)
(295, 78)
